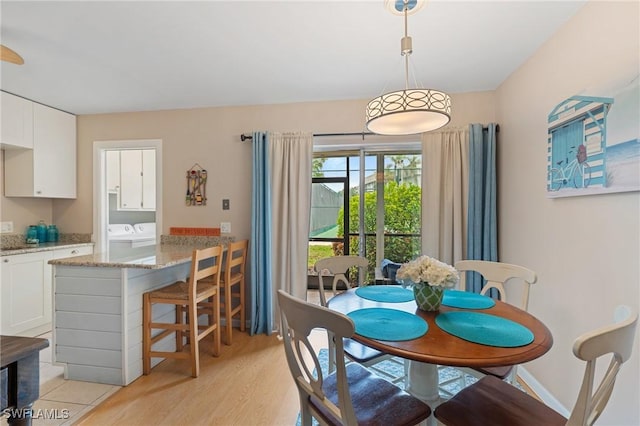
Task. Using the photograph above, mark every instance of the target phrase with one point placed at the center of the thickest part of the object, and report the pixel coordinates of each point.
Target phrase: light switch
(225, 227)
(6, 227)
(225, 204)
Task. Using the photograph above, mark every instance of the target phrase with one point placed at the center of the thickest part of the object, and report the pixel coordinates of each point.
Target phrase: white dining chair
(351, 395)
(338, 267)
(497, 276)
(495, 402)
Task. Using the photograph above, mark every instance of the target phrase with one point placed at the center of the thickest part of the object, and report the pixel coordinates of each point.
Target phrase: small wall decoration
(593, 144)
(196, 186)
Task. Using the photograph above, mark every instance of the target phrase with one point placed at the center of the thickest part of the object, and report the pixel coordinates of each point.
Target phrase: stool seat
(180, 290)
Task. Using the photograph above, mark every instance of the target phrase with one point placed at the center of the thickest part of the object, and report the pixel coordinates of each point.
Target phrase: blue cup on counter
(52, 234)
(32, 235)
(42, 231)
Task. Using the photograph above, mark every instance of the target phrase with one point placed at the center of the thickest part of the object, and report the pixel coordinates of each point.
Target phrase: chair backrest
(204, 263)
(299, 318)
(236, 260)
(338, 267)
(497, 274)
(616, 339)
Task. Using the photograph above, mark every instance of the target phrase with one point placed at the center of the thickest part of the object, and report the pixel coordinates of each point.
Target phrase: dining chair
(495, 402)
(234, 276)
(195, 297)
(497, 276)
(338, 267)
(350, 395)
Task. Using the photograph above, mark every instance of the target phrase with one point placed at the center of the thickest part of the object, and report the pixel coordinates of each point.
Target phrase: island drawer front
(61, 253)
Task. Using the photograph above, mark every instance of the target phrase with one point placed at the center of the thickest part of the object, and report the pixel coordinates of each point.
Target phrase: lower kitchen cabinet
(26, 296)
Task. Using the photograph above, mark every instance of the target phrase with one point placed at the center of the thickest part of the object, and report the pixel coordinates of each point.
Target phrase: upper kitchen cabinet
(137, 179)
(49, 169)
(17, 122)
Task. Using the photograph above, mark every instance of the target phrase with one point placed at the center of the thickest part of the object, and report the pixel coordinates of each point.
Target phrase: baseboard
(542, 392)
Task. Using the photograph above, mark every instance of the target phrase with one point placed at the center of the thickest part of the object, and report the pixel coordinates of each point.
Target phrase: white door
(149, 179)
(131, 179)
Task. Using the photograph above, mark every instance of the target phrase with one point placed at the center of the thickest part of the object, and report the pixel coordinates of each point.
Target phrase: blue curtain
(260, 248)
(482, 228)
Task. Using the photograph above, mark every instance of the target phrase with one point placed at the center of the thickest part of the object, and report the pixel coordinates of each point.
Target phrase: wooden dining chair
(491, 401)
(234, 276)
(351, 395)
(497, 276)
(338, 267)
(195, 297)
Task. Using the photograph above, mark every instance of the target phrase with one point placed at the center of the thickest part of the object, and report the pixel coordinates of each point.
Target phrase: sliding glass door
(366, 204)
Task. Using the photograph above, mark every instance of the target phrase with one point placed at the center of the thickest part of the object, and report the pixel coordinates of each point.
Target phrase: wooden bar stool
(234, 273)
(196, 297)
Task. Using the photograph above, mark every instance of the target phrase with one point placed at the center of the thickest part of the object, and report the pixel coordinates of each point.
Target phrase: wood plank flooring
(249, 384)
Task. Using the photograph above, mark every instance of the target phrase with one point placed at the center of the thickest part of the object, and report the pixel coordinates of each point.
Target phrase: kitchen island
(97, 321)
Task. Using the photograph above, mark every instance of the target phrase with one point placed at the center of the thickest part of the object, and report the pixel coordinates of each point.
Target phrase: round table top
(440, 347)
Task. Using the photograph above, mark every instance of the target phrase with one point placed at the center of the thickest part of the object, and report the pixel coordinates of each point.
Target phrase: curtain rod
(244, 137)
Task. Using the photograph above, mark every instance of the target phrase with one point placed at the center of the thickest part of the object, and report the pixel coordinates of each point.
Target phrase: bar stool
(234, 273)
(196, 297)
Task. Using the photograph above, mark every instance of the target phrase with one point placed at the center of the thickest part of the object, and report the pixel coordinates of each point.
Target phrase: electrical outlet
(6, 227)
(225, 227)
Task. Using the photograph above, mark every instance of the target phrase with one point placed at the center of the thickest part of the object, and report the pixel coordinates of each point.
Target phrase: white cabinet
(137, 179)
(26, 298)
(49, 169)
(113, 171)
(17, 122)
(26, 294)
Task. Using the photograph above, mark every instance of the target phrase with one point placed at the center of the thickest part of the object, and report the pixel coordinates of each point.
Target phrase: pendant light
(408, 111)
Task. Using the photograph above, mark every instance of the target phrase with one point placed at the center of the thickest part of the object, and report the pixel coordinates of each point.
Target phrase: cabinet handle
(6, 260)
(38, 192)
(74, 251)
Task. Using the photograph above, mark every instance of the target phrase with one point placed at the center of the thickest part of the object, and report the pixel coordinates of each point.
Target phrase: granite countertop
(164, 256)
(34, 248)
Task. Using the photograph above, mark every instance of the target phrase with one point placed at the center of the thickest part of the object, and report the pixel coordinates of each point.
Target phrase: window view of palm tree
(388, 227)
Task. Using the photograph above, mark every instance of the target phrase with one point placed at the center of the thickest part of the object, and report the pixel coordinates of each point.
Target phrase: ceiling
(89, 57)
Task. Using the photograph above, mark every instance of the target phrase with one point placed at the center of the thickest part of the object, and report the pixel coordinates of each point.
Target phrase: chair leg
(228, 314)
(243, 316)
(216, 331)
(179, 333)
(193, 340)
(146, 334)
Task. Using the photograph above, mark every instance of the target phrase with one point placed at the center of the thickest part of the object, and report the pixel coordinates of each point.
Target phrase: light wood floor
(249, 384)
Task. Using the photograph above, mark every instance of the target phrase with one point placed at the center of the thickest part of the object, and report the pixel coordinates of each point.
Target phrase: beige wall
(586, 250)
(211, 138)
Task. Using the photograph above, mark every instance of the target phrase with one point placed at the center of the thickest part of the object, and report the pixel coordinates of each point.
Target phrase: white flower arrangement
(430, 271)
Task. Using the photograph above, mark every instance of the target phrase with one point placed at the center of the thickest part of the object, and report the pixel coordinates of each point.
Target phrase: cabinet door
(26, 294)
(54, 153)
(149, 179)
(131, 179)
(113, 171)
(17, 121)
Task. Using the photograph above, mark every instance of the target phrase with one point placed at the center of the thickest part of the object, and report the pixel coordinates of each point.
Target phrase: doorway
(134, 198)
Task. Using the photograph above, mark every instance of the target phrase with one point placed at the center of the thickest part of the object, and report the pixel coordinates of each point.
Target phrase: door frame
(100, 195)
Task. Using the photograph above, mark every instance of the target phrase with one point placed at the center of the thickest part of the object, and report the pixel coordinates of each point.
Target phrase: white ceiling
(94, 57)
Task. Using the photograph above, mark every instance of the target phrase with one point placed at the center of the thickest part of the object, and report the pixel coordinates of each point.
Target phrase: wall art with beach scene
(593, 144)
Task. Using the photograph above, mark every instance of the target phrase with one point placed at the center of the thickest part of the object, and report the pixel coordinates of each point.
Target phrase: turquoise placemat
(467, 300)
(385, 293)
(388, 324)
(485, 329)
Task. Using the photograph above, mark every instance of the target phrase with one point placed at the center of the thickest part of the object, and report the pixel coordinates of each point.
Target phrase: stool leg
(146, 334)
(216, 315)
(179, 333)
(228, 313)
(243, 318)
(193, 338)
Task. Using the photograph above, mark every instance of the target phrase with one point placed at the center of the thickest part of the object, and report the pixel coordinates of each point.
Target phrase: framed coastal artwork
(593, 143)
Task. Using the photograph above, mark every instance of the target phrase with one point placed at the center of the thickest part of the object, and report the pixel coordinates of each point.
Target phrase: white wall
(586, 250)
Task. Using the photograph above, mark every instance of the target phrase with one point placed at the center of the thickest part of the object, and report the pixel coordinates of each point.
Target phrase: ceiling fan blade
(9, 55)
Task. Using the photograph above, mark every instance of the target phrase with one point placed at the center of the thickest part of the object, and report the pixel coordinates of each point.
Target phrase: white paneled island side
(97, 321)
